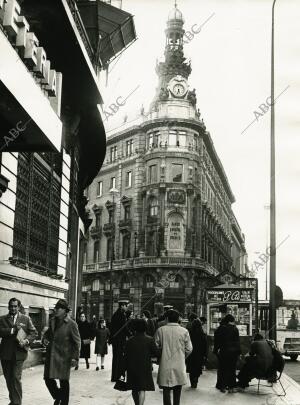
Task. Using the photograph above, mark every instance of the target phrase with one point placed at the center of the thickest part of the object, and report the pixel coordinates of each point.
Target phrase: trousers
(176, 395)
(61, 393)
(12, 371)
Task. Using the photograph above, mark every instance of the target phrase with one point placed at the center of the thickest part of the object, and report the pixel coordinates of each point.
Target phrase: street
(292, 369)
(91, 387)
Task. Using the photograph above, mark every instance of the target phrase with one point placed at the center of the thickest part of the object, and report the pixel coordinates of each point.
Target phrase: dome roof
(175, 14)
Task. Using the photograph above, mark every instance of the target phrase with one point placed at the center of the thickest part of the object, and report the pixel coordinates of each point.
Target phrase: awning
(110, 29)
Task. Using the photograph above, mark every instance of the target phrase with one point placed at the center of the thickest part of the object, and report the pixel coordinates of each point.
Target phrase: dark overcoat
(195, 361)
(138, 352)
(9, 347)
(118, 334)
(64, 345)
(86, 332)
(102, 336)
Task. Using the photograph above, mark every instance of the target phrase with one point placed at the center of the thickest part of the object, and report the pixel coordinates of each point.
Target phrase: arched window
(153, 207)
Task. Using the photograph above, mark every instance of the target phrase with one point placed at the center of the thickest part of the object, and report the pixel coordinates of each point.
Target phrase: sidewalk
(90, 387)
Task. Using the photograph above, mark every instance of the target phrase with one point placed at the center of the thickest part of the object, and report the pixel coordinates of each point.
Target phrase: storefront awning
(110, 29)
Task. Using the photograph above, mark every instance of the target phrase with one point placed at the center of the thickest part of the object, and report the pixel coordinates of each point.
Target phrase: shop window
(177, 173)
(149, 281)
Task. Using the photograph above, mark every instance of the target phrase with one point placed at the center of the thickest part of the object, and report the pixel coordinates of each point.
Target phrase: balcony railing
(125, 223)
(151, 261)
(109, 228)
(96, 232)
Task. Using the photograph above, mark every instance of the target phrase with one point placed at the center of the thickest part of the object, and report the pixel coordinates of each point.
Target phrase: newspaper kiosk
(230, 299)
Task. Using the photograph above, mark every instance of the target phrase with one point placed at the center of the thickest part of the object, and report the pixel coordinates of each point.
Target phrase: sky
(230, 59)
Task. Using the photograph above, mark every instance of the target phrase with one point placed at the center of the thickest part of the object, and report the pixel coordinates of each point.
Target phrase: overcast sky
(231, 73)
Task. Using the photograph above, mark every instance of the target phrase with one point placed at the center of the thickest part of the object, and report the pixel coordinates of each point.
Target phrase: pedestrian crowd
(137, 342)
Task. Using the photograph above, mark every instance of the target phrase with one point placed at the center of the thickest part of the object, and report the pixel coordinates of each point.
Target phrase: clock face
(178, 90)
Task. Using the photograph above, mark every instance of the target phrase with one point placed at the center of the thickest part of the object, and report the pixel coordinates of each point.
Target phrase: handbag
(86, 341)
(121, 385)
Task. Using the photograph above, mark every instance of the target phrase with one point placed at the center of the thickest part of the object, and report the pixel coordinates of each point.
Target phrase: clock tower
(173, 95)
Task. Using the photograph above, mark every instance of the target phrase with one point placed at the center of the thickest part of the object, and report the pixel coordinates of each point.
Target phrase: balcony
(125, 224)
(152, 261)
(109, 229)
(96, 232)
(152, 219)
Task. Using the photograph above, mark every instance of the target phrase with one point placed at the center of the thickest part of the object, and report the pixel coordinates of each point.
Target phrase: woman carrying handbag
(86, 335)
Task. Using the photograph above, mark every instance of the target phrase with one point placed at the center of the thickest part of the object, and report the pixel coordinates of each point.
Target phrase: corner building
(172, 214)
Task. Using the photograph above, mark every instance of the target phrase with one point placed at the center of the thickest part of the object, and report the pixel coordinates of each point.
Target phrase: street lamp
(113, 191)
(272, 314)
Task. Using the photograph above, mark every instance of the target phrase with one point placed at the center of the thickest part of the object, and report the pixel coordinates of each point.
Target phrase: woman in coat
(196, 360)
(138, 352)
(86, 335)
(102, 336)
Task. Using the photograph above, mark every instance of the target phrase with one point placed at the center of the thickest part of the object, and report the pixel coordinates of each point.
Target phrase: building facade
(163, 229)
(52, 144)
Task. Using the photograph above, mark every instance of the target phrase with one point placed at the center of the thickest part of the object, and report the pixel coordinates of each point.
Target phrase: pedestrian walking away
(175, 344)
(119, 333)
(102, 337)
(17, 332)
(150, 326)
(62, 341)
(86, 335)
(196, 360)
(228, 351)
(138, 352)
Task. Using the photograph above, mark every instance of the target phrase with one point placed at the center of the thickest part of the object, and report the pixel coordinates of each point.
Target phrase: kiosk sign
(230, 295)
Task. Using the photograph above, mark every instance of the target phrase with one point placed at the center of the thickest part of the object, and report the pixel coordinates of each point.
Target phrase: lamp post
(135, 238)
(272, 314)
(113, 191)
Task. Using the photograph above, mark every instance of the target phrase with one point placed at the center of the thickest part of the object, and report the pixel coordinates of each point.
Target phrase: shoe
(76, 368)
(232, 390)
(102, 367)
(240, 389)
(87, 365)
(222, 390)
(194, 386)
(97, 368)
(57, 402)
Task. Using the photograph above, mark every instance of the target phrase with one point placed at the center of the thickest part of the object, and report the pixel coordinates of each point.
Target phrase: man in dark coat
(17, 332)
(258, 363)
(62, 342)
(118, 335)
(196, 360)
(228, 350)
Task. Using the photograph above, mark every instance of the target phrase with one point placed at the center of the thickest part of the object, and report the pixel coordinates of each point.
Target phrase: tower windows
(153, 207)
(128, 179)
(129, 147)
(153, 174)
(113, 153)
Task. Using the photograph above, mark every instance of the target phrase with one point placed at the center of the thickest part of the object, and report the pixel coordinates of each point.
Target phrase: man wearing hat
(62, 342)
(118, 336)
(163, 319)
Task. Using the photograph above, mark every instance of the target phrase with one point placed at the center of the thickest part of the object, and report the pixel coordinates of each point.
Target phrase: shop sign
(33, 55)
(230, 295)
